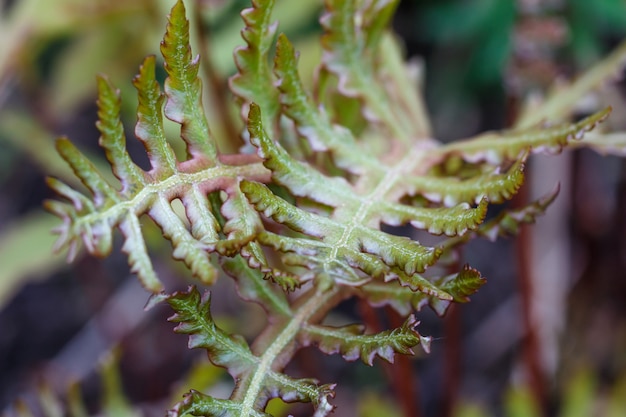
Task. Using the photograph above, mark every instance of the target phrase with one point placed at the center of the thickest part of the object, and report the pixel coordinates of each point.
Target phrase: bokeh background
(550, 325)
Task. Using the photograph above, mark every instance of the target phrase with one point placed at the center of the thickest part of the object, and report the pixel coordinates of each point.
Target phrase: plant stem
(404, 381)
(277, 342)
(531, 356)
(452, 366)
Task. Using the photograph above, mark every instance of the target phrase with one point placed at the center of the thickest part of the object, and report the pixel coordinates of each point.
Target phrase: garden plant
(303, 210)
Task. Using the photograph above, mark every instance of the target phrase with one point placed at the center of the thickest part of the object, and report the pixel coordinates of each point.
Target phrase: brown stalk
(452, 362)
(530, 342)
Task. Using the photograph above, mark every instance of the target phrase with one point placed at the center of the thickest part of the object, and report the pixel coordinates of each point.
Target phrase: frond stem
(281, 336)
(172, 186)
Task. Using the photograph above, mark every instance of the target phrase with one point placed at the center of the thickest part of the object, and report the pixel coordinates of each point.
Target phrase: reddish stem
(400, 373)
(404, 381)
(531, 356)
(452, 362)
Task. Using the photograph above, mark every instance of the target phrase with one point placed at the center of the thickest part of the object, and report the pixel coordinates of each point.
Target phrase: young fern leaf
(272, 216)
(404, 300)
(311, 123)
(508, 222)
(493, 186)
(605, 143)
(494, 148)
(198, 404)
(149, 127)
(352, 344)
(234, 354)
(254, 81)
(331, 258)
(251, 286)
(349, 246)
(350, 42)
(184, 89)
(92, 220)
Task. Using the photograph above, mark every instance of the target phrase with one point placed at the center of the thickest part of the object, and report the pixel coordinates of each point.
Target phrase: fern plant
(297, 218)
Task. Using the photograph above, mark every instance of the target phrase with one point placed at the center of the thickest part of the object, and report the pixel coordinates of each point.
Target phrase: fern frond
(251, 286)
(336, 255)
(494, 148)
(113, 140)
(254, 80)
(149, 127)
(604, 143)
(92, 219)
(352, 344)
(184, 89)
(508, 222)
(198, 404)
(233, 353)
(493, 185)
(312, 122)
(403, 84)
(273, 216)
(463, 284)
(457, 287)
(349, 246)
(449, 221)
(300, 178)
(350, 42)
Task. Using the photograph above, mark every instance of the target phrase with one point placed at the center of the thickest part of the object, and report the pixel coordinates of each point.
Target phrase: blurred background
(548, 328)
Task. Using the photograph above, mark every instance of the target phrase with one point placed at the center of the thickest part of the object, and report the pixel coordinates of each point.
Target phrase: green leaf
(113, 140)
(452, 221)
(376, 18)
(193, 313)
(454, 287)
(149, 127)
(508, 222)
(352, 344)
(495, 148)
(92, 220)
(493, 185)
(186, 247)
(403, 83)
(312, 123)
(86, 172)
(251, 286)
(184, 89)
(138, 258)
(463, 284)
(300, 178)
(349, 53)
(336, 256)
(197, 404)
(460, 285)
(254, 81)
(256, 380)
(401, 299)
(604, 143)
